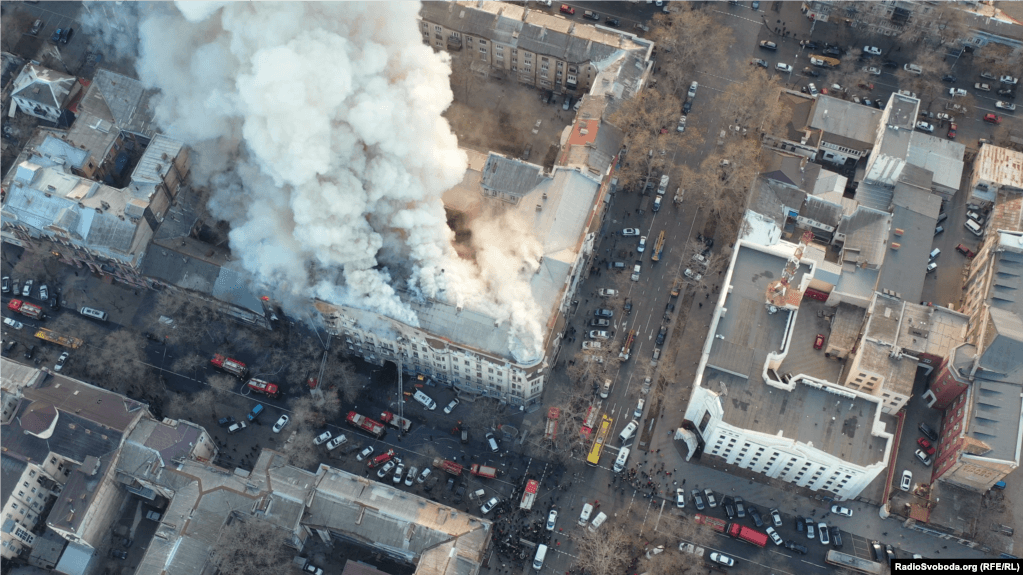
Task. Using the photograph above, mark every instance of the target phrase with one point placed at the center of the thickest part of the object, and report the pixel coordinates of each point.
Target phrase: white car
(982, 87)
(691, 549)
(925, 127)
(680, 498)
(907, 480)
(489, 505)
(599, 334)
(1008, 80)
(923, 457)
(44, 292)
(364, 454)
(812, 89)
(451, 406)
(775, 517)
(281, 423)
(630, 232)
(693, 275)
(322, 438)
(386, 469)
(839, 510)
(60, 361)
(783, 67)
(953, 92)
(642, 245)
(607, 292)
(411, 477)
(1007, 106)
(13, 323)
(722, 559)
(774, 536)
(823, 533)
(692, 89)
(636, 269)
(333, 443)
(552, 518)
(398, 473)
(424, 475)
(26, 290)
(681, 125)
(591, 345)
(873, 50)
(872, 70)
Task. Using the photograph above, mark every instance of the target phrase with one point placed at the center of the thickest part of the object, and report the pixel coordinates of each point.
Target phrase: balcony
(454, 43)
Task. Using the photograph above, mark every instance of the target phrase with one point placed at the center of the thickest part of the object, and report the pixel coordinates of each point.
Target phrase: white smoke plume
(318, 126)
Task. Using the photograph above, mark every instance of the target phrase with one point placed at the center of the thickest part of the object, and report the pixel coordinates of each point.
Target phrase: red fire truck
(483, 471)
(374, 428)
(449, 466)
(24, 308)
(394, 421)
(234, 367)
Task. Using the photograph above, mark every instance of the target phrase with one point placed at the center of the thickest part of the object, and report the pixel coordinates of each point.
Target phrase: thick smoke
(318, 127)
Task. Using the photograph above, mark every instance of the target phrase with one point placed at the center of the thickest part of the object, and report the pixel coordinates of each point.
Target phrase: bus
(598, 444)
(854, 563)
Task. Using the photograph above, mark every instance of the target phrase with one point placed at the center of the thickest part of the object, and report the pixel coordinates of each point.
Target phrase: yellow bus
(598, 443)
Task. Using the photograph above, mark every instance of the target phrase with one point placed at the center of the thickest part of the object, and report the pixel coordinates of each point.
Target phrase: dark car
(9, 345)
(740, 508)
(670, 307)
(591, 15)
(119, 554)
(793, 546)
(811, 72)
(890, 64)
(31, 351)
(949, 78)
(56, 35)
(687, 107)
(809, 44)
(875, 547)
(661, 334)
(54, 303)
(832, 51)
(754, 513)
(226, 421)
(1007, 93)
(698, 499)
(628, 305)
(451, 484)
(800, 526)
(729, 505)
(66, 34)
(889, 552)
(612, 21)
(603, 313)
(127, 542)
(878, 104)
(759, 62)
(928, 432)
(836, 537)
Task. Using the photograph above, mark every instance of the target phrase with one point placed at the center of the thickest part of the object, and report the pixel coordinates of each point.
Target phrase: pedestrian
(701, 304)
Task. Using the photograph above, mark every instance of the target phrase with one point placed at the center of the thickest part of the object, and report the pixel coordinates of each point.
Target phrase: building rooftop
(1001, 166)
(41, 85)
(940, 156)
(846, 122)
(865, 232)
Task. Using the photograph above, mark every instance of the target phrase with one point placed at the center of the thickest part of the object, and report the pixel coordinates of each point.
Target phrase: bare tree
(481, 414)
(299, 449)
(340, 373)
(223, 382)
(120, 363)
(251, 547)
(605, 552)
(315, 410)
(189, 363)
(691, 38)
(650, 120)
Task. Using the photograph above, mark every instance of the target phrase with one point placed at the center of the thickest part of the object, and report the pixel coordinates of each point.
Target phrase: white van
(639, 409)
(629, 430)
(913, 69)
(623, 456)
(664, 185)
(541, 553)
(584, 517)
(94, 313)
(604, 391)
(598, 521)
(974, 227)
(427, 402)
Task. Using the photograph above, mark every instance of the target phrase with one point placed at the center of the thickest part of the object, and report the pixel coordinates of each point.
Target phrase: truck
(449, 466)
(551, 430)
(712, 522)
(627, 348)
(24, 308)
(655, 254)
(374, 428)
(529, 495)
(64, 340)
(747, 534)
(265, 387)
(381, 459)
(483, 471)
(234, 367)
(394, 421)
(740, 532)
(824, 61)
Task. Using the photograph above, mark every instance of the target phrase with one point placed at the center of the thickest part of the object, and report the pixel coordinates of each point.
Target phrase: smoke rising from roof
(318, 127)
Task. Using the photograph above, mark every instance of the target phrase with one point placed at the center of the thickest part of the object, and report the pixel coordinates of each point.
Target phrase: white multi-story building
(466, 348)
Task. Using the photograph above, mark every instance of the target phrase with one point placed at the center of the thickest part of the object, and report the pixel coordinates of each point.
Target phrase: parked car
(925, 127)
(1008, 80)
(783, 67)
(607, 292)
(925, 445)
(587, 14)
(61, 361)
(630, 232)
(872, 50)
(334, 443)
(661, 334)
(489, 505)
(612, 22)
(119, 554)
(693, 275)
(740, 508)
(13, 323)
(36, 27)
(965, 251)
(386, 469)
(322, 438)
(836, 537)
(44, 292)
(424, 475)
(281, 423)
(399, 472)
(992, 119)
(952, 131)
(872, 70)
(729, 506)
(818, 343)
(451, 406)
(809, 44)
(26, 290)
(566, 9)
(552, 519)
(681, 127)
(923, 457)
(599, 322)
(796, 547)
(832, 51)
(1007, 93)
(7, 284)
(365, 453)
(722, 559)
(949, 78)
(754, 514)
(907, 480)
(823, 532)
(698, 500)
(775, 517)
(774, 536)
(759, 62)
(225, 421)
(1007, 106)
(604, 312)
(30, 352)
(839, 510)
(811, 72)
(642, 245)
(768, 45)
(988, 75)
(711, 502)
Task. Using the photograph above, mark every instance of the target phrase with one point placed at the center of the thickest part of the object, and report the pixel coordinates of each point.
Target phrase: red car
(926, 446)
(992, 119)
(819, 342)
(952, 131)
(965, 251)
(566, 9)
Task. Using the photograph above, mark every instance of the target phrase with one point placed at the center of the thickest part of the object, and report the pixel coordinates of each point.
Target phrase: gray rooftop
(503, 176)
(865, 233)
(790, 169)
(822, 211)
(43, 86)
(912, 253)
(126, 100)
(845, 122)
(940, 156)
(775, 200)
